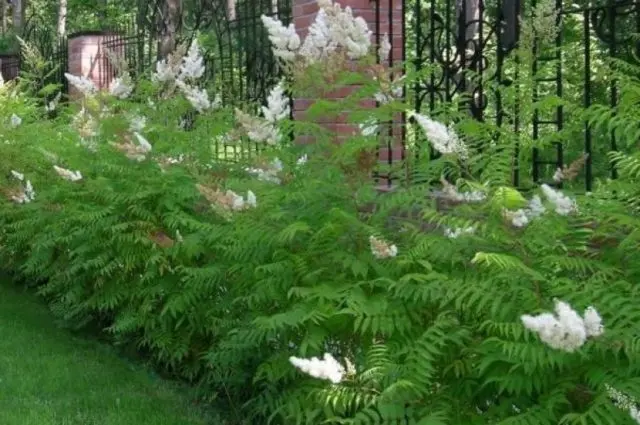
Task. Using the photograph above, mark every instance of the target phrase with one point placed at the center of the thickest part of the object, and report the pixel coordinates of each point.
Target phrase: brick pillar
(88, 58)
(383, 16)
(9, 66)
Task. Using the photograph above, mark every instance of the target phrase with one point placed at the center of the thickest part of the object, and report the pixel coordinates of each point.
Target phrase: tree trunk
(170, 20)
(4, 10)
(231, 10)
(62, 18)
(18, 15)
(469, 16)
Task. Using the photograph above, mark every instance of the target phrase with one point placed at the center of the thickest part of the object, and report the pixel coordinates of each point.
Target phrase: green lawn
(50, 377)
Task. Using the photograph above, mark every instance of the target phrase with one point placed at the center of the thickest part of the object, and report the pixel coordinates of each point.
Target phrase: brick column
(383, 16)
(88, 58)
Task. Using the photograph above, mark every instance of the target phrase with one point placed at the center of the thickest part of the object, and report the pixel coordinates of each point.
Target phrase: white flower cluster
(199, 98)
(135, 151)
(269, 173)
(239, 203)
(264, 129)
(184, 74)
(457, 232)
(523, 216)
(26, 194)
(384, 49)
(122, 86)
(328, 368)
(442, 138)
(558, 176)
(229, 200)
(277, 105)
(565, 330)
(333, 28)
(369, 127)
(15, 121)
(53, 104)
(85, 124)
(72, 176)
(562, 203)
(285, 40)
(164, 73)
(394, 92)
(82, 84)
(144, 146)
(624, 402)
(192, 67)
(137, 123)
(451, 193)
(382, 249)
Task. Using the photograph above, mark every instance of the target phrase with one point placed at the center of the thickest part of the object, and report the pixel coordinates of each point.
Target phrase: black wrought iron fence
(133, 43)
(472, 43)
(239, 61)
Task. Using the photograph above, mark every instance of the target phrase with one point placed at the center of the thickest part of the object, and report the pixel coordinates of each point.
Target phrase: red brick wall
(88, 58)
(304, 13)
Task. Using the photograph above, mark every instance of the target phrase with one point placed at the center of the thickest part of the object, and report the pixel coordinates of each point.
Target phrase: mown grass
(50, 377)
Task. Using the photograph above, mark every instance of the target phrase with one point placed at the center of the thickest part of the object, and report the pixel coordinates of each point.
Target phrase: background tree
(170, 22)
(62, 18)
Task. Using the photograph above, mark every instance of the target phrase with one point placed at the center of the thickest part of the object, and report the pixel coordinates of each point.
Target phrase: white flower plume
(164, 73)
(624, 402)
(26, 193)
(199, 98)
(384, 49)
(137, 123)
(562, 203)
(72, 176)
(268, 173)
(523, 216)
(457, 232)
(17, 175)
(285, 40)
(82, 84)
(351, 33)
(333, 28)
(442, 138)
(382, 249)
(565, 330)
(15, 121)
(238, 203)
(53, 104)
(277, 105)
(122, 86)
(328, 368)
(144, 144)
(257, 129)
(192, 67)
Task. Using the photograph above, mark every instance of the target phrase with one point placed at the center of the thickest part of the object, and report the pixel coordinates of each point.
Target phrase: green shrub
(419, 294)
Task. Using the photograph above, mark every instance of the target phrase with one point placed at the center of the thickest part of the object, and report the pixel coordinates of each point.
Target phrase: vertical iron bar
(613, 47)
(447, 59)
(391, 141)
(479, 57)
(559, 86)
(587, 99)
(536, 115)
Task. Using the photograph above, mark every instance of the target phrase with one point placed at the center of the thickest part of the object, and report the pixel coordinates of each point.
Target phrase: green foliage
(223, 299)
